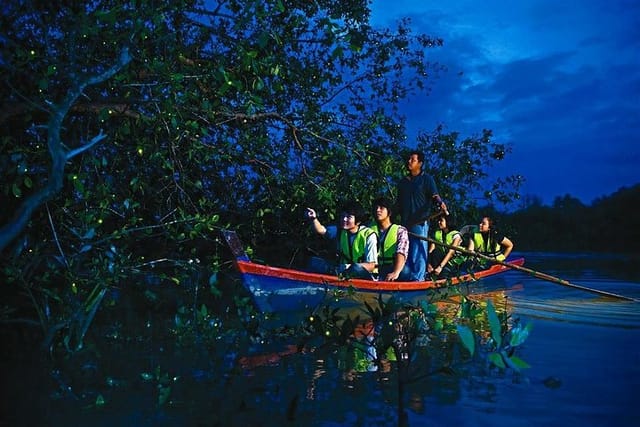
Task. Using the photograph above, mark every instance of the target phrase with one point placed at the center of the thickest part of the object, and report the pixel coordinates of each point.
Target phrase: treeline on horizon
(609, 224)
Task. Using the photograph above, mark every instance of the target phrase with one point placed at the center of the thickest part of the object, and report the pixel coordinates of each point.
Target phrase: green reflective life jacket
(388, 246)
(354, 253)
(480, 246)
(448, 239)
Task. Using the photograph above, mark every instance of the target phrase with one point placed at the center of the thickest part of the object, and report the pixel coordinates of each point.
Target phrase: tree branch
(59, 155)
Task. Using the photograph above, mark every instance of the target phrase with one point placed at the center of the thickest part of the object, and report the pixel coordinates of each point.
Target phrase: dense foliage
(132, 131)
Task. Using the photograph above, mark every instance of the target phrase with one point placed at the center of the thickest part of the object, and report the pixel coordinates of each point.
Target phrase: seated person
(444, 261)
(393, 243)
(489, 242)
(356, 244)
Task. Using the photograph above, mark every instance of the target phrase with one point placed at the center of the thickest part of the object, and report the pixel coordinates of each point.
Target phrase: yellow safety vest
(480, 246)
(354, 253)
(388, 247)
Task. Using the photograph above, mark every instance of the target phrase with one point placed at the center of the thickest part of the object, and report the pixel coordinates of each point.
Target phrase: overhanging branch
(59, 155)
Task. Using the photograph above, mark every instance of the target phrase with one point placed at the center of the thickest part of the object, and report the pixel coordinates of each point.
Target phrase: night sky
(557, 80)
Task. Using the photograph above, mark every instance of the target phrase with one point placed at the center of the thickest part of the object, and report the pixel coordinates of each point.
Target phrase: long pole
(534, 273)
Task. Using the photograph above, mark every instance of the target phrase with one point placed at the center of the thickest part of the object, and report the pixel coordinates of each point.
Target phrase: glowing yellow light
(100, 221)
(140, 151)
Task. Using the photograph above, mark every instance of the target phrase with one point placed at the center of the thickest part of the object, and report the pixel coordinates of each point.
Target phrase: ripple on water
(565, 304)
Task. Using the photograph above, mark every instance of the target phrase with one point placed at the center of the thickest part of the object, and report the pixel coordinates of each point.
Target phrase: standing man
(393, 243)
(417, 195)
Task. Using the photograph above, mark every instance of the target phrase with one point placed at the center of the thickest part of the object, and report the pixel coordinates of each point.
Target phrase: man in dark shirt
(417, 194)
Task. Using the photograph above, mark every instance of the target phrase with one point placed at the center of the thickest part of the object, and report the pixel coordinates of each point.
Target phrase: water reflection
(583, 351)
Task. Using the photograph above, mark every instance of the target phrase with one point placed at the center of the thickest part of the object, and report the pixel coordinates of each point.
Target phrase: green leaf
(494, 323)
(428, 308)
(467, 338)
(496, 359)
(100, 400)
(391, 354)
(213, 279)
(89, 234)
(521, 364)
(519, 335)
(16, 190)
(163, 395)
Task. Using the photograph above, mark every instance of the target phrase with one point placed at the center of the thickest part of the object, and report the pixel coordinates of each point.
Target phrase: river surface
(583, 350)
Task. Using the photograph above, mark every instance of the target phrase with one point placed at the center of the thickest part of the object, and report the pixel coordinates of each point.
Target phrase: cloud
(557, 81)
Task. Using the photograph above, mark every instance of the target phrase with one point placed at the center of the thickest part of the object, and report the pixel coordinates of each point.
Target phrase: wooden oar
(538, 274)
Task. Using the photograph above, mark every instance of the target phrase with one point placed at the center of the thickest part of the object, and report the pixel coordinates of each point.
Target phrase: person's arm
(507, 246)
(400, 257)
(471, 245)
(398, 264)
(315, 223)
(450, 254)
(439, 202)
(370, 253)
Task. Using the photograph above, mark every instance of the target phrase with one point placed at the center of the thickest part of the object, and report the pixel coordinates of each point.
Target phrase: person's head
(382, 209)
(486, 225)
(415, 162)
(446, 222)
(351, 216)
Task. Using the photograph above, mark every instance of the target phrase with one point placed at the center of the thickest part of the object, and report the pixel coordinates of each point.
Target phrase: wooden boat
(277, 289)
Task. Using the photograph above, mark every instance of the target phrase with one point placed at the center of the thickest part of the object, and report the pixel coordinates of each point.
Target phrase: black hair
(451, 221)
(385, 203)
(492, 235)
(419, 154)
(353, 208)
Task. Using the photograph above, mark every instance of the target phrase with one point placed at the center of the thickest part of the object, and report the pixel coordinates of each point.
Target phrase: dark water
(583, 352)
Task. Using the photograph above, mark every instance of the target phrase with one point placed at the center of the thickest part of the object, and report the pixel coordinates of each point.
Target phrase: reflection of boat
(275, 289)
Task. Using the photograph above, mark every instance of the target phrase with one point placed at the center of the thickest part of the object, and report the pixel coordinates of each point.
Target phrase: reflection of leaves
(496, 359)
(466, 336)
(519, 334)
(516, 363)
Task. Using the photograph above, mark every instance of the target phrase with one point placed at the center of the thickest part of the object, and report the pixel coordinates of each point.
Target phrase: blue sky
(557, 80)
